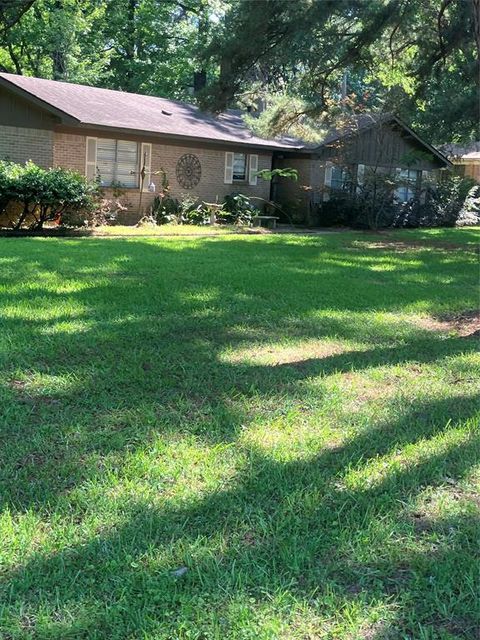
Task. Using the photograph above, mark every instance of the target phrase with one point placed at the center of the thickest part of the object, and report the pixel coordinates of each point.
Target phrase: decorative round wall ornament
(189, 171)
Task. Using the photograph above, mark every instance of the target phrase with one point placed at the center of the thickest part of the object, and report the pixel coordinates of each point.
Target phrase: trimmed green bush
(30, 196)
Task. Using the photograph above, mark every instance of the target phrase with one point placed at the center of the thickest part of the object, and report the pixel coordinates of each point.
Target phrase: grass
(265, 437)
(166, 230)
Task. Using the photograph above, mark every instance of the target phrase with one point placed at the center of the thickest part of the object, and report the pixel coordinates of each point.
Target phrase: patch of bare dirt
(376, 631)
(358, 390)
(456, 626)
(404, 245)
(392, 244)
(398, 580)
(465, 324)
(428, 517)
(18, 385)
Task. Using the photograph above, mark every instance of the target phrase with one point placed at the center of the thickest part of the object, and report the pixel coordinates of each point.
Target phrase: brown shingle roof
(94, 107)
(121, 110)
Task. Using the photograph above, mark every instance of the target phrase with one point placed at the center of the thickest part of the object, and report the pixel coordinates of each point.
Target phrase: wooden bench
(270, 221)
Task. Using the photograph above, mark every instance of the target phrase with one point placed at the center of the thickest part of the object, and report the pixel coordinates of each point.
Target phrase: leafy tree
(156, 44)
(11, 12)
(306, 60)
(147, 46)
(405, 53)
(57, 39)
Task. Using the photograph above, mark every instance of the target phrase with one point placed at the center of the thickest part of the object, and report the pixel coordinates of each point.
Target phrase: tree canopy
(299, 61)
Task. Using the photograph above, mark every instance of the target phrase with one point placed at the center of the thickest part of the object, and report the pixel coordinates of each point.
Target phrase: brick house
(109, 135)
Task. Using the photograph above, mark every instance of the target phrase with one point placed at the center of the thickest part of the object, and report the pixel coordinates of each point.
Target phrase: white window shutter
(360, 177)
(252, 169)
(327, 182)
(228, 178)
(91, 159)
(146, 152)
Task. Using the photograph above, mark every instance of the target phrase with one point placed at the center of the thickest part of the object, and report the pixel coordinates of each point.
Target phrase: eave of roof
(123, 112)
(131, 113)
(461, 152)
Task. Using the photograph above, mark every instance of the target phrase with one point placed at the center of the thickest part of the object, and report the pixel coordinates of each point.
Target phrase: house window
(239, 167)
(408, 181)
(117, 162)
(341, 178)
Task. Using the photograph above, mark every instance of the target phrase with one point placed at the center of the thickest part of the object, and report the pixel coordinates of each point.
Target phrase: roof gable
(365, 122)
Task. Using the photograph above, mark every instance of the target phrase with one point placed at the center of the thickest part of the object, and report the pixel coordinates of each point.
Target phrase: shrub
(34, 196)
(340, 211)
(105, 210)
(169, 210)
(237, 209)
(470, 213)
(9, 173)
(165, 209)
(193, 212)
(439, 204)
(446, 202)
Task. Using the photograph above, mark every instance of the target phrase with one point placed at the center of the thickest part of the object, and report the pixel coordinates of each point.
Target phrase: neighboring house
(109, 135)
(465, 158)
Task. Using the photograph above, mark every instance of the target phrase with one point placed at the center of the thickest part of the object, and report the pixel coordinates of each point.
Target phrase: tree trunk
(59, 61)
(476, 31)
(130, 48)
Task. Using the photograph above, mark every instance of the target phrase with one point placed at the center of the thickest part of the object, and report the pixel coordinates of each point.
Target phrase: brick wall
(70, 151)
(21, 144)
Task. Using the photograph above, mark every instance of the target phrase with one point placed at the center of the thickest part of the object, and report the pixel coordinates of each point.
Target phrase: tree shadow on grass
(293, 527)
(66, 427)
(147, 362)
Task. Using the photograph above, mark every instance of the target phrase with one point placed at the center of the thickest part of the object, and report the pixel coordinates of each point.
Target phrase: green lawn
(291, 419)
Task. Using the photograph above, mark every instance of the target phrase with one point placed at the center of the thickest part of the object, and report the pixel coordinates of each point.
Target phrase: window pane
(116, 159)
(106, 152)
(340, 178)
(239, 166)
(106, 148)
(408, 185)
(336, 182)
(127, 161)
